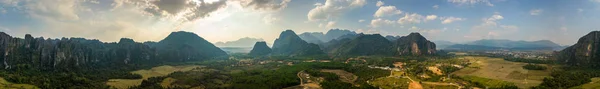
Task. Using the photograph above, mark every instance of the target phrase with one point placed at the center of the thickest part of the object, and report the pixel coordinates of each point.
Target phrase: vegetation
(536, 61)
(567, 79)
(534, 67)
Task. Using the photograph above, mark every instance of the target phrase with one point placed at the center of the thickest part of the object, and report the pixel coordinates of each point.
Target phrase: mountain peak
(126, 40)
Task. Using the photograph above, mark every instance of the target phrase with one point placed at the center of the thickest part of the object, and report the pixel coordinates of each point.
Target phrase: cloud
(436, 6)
(431, 17)
(189, 9)
(471, 2)
(490, 28)
(330, 24)
(579, 10)
(333, 8)
(266, 4)
(380, 22)
(536, 12)
(386, 11)
(379, 3)
(415, 18)
(269, 19)
(362, 20)
(448, 20)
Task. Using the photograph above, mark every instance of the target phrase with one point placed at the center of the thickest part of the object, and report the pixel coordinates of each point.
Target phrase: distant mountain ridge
(495, 44)
(319, 37)
(242, 42)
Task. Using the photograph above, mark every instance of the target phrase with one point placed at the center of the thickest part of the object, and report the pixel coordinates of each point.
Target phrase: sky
(561, 21)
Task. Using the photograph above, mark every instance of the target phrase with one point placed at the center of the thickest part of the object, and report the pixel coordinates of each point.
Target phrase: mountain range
(73, 53)
(242, 42)
(498, 44)
(319, 37)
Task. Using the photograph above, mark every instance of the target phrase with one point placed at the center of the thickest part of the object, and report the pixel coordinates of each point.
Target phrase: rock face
(414, 44)
(69, 53)
(586, 52)
(289, 44)
(365, 45)
(187, 46)
(260, 49)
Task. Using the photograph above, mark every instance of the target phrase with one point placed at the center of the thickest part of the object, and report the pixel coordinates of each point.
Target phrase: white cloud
(448, 20)
(490, 28)
(471, 2)
(436, 6)
(331, 24)
(579, 10)
(380, 22)
(386, 11)
(431, 17)
(411, 18)
(269, 19)
(379, 3)
(536, 11)
(333, 8)
(362, 20)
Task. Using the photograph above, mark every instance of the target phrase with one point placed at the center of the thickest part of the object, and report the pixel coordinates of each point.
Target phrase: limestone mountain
(586, 52)
(242, 42)
(260, 49)
(70, 53)
(365, 45)
(414, 44)
(187, 46)
(289, 44)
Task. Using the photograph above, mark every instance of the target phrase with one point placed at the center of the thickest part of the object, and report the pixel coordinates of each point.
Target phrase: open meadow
(153, 72)
(499, 69)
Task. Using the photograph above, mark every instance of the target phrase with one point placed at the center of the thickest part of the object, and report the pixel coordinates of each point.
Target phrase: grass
(429, 86)
(491, 83)
(499, 69)
(390, 83)
(8, 85)
(344, 76)
(154, 72)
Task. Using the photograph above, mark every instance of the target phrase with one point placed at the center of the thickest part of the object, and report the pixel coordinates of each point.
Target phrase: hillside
(187, 46)
(586, 52)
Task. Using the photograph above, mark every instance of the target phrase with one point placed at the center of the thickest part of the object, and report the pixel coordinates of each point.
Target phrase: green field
(154, 72)
(499, 69)
(491, 83)
(390, 83)
(8, 85)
